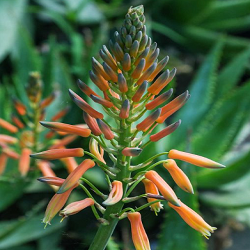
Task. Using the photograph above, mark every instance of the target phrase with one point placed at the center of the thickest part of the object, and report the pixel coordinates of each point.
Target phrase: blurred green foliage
(58, 38)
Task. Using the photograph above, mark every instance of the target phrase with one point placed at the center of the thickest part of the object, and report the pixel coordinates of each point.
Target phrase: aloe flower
(19, 137)
(132, 89)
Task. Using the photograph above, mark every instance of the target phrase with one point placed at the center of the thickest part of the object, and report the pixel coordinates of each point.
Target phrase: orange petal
(8, 139)
(131, 151)
(63, 127)
(151, 188)
(179, 176)
(196, 160)
(139, 236)
(163, 187)
(74, 176)
(147, 122)
(108, 134)
(3, 162)
(45, 168)
(115, 194)
(60, 114)
(64, 141)
(193, 219)
(20, 107)
(52, 180)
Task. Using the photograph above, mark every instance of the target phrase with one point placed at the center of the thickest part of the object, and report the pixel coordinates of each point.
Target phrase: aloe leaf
(213, 179)
(9, 26)
(202, 92)
(232, 72)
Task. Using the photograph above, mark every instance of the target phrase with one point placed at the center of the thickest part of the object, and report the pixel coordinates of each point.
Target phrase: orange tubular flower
(52, 180)
(76, 207)
(10, 153)
(6, 125)
(196, 160)
(60, 114)
(47, 101)
(179, 176)
(74, 176)
(17, 121)
(24, 162)
(139, 93)
(102, 101)
(147, 122)
(85, 88)
(63, 142)
(55, 154)
(163, 187)
(63, 127)
(92, 124)
(139, 236)
(115, 194)
(20, 107)
(150, 188)
(193, 219)
(166, 131)
(55, 205)
(3, 162)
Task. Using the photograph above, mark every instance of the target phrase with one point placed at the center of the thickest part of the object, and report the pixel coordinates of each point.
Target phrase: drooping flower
(193, 219)
(163, 187)
(151, 188)
(76, 207)
(179, 176)
(139, 236)
(115, 195)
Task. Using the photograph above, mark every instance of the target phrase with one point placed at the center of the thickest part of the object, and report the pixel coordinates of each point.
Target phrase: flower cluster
(23, 135)
(132, 82)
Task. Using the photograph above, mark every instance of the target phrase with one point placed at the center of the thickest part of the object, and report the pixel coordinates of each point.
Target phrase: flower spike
(179, 176)
(55, 154)
(74, 176)
(163, 187)
(115, 194)
(139, 236)
(76, 207)
(193, 219)
(196, 160)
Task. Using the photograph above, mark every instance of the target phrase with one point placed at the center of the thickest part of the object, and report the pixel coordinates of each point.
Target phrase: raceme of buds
(179, 176)
(193, 219)
(76, 207)
(139, 236)
(196, 160)
(115, 194)
(132, 90)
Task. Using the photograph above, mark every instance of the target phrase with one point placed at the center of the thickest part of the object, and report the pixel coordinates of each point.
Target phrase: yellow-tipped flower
(74, 176)
(179, 176)
(52, 180)
(56, 204)
(139, 236)
(94, 149)
(24, 162)
(63, 127)
(55, 154)
(193, 219)
(196, 160)
(8, 126)
(76, 207)
(151, 188)
(115, 195)
(163, 187)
